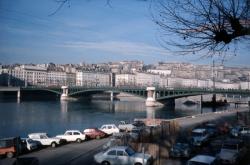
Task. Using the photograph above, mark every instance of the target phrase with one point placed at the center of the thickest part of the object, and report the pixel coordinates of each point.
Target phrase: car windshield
(197, 163)
(130, 151)
(230, 147)
(30, 141)
(197, 134)
(180, 145)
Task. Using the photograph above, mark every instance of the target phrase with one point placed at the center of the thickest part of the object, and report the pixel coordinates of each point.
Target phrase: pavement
(69, 154)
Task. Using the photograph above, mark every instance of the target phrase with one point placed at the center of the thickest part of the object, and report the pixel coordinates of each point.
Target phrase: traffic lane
(61, 155)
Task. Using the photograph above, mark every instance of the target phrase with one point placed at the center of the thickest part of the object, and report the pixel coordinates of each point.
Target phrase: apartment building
(84, 78)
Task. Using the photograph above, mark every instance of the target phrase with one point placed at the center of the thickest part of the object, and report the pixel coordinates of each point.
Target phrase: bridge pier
(18, 96)
(111, 96)
(151, 101)
(65, 94)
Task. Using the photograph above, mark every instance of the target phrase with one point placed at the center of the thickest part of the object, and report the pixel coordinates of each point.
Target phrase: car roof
(72, 130)
(91, 128)
(8, 138)
(39, 133)
(108, 125)
(199, 130)
(203, 159)
(119, 147)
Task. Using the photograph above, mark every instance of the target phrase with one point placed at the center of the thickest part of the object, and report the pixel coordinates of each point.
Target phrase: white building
(125, 80)
(55, 78)
(147, 79)
(160, 71)
(84, 78)
(26, 75)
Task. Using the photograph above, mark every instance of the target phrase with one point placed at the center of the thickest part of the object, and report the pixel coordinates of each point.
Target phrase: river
(55, 116)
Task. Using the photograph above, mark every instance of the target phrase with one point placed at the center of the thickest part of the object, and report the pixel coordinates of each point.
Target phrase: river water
(55, 116)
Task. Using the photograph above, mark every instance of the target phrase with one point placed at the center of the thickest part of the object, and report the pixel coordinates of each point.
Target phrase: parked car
(180, 150)
(94, 133)
(135, 134)
(124, 126)
(202, 160)
(122, 155)
(212, 129)
(72, 136)
(232, 151)
(45, 140)
(199, 136)
(29, 144)
(139, 124)
(239, 131)
(109, 129)
(9, 146)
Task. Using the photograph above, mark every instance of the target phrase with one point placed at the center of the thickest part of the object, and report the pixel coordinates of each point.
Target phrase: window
(112, 152)
(120, 153)
(104, 127)
(69, 133)
(109, 127)
(129, 151)
(76, 133)
(43, 137)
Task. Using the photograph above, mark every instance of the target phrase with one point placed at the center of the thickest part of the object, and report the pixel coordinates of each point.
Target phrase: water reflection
(64, 106)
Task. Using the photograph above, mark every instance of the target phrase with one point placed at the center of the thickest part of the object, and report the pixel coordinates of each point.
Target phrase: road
(69, 154)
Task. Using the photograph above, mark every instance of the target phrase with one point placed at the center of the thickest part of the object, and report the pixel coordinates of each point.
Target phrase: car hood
(227, 154)
(141, 155)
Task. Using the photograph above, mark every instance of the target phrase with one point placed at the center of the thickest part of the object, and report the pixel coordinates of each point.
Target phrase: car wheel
(10, 154)
(78, 140)
(105, 163)
(53, 144)
(97, 137)
(138, 164)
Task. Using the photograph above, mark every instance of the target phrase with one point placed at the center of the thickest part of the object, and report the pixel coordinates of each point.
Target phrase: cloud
(119, 47)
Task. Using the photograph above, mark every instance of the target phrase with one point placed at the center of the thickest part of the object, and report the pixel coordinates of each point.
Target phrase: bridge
(154, 95)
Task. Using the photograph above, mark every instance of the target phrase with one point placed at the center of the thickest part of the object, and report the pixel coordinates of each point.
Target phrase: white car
(124, 126)
(232, 151)
(122, 155)
(202, 159)
(72, 135)
(109, 129)
(45, 140)
(240, 131)
(199, 136)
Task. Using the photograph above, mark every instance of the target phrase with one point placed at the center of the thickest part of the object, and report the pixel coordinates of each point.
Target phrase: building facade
(84, 78)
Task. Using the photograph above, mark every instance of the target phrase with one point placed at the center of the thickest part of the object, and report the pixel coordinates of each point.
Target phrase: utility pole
(214, 95)
(248, 80)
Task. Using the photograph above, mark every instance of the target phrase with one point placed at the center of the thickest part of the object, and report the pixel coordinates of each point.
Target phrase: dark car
(139, 124)
(180, 150)
(212, 129)
(94, 133)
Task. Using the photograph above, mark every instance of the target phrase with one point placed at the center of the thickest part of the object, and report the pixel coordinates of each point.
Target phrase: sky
(87, 31)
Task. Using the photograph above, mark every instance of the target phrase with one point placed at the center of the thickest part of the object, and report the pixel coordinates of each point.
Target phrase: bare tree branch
(202, 25)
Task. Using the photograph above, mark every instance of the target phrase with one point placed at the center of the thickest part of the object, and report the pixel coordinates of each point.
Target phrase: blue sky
(87, 31)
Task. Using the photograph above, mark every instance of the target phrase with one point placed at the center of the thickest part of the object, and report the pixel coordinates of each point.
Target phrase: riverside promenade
(189, 121)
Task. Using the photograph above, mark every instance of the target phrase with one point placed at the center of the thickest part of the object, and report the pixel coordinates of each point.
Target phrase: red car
(94, 133)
